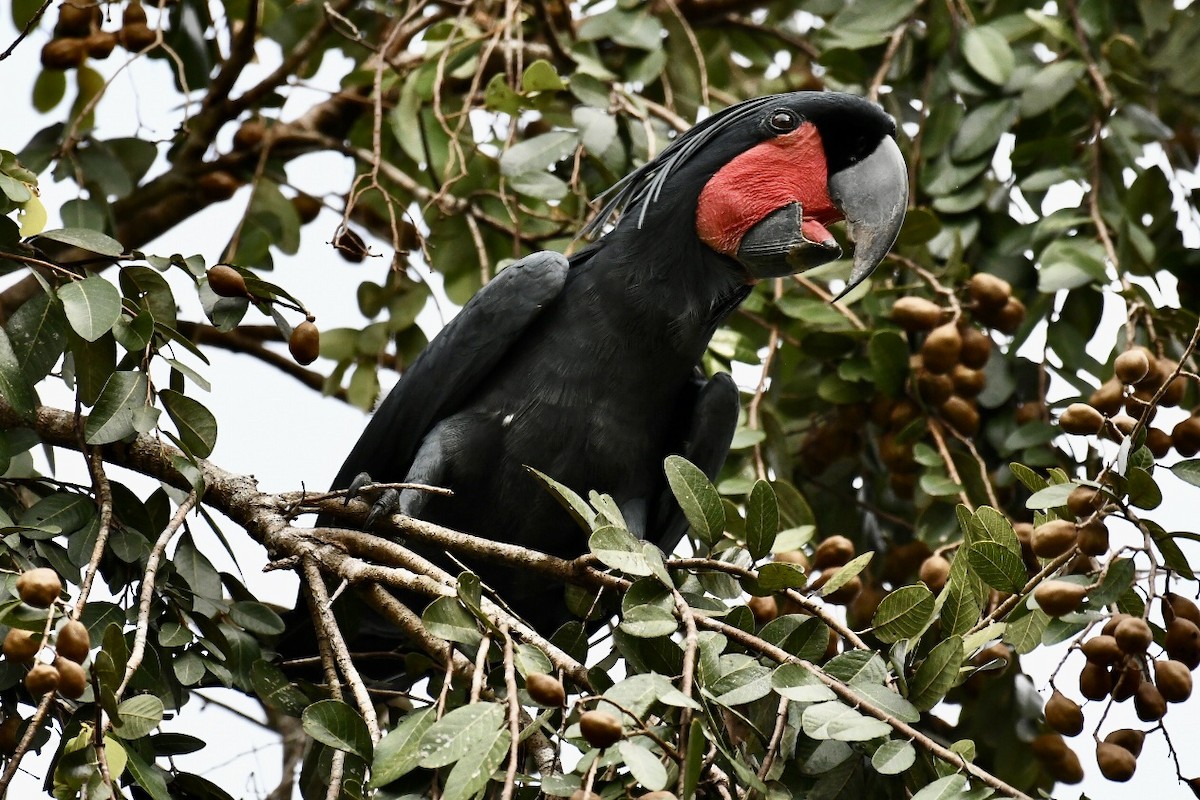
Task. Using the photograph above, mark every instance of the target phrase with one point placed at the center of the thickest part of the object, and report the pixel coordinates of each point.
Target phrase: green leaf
(937, 674)
(38, 330)
(644, 765)
(903, 613)
(538, 153)
(697, 497)
(889, 361)
(1025, 634)
(398, 753)
(93, 306)
(796, 682)
(1053, 496)
(982, 128)
(1143, 489)
(989, 54)
(256, 617)
(846, 573)
(540, 76)
(617, 548)
(448, 620)
(779, 575)
(461, 731)
(999, 567)
(893, 757)
(648, 622)
(112, 417)
(1188, 471)
(196, 424)
(832, 720)
(745, 682)
(86, 239)
(1173, 557)
(138, 715)
(14, 386)
(146, 774)
(762, 519)
(945, 788)
(274, 689)
(337, 725)
(472, 772)
(1048, 88)
(575, 505)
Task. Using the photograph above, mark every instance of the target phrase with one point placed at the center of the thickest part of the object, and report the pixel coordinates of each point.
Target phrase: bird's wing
(453, 365)
(712, 407)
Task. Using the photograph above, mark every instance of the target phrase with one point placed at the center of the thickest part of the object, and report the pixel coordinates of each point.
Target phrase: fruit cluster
(64, 672)
(78, 35)
(304, 342)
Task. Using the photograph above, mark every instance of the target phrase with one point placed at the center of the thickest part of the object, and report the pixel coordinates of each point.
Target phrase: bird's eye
(783, 121)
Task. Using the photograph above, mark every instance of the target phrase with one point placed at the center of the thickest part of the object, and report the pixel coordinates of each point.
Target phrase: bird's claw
(360, 482)
(385, 505)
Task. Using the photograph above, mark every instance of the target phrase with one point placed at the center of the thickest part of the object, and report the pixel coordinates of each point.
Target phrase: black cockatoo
(585, 367)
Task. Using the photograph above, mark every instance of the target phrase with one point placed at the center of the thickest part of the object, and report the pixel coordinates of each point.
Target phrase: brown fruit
(988, 291)
(1174, 680)
(546, 690)
(934, 389)
(941, 349)
(967, 382)
(797, 557)
(1085, 501)
(217, 185)
(305, 343)
(831, 647)
(862, 609)
(833, 552)
(136, 38)
(1158, 442)
(1123, 423)
(1052, 539)
(1066, 769)
(10, 734)
(100, 44)
(916, 314)
(225, 281)
(1008, 319)
(600, 728)
(1186, 437)
(1064, 715)
(133, 14)
(1176, 389)
(960, 414)
(1182, 642)
(934, 572)
(1094, 681)
(845, 593)
(1048, 747)
(307, 207)
(1133, 635)
(350, 246)
(72, 679)
(75, 18)
(1093, 538)
(60, 54)
(1132, 366)
(1128, 738)
(1030, 412)
(1148, 702)
(1059, 597)
(1081, 419)
(73, 642)
(42, 678)
(764, 609)
(249, 135)
(1109, 398)
(1194, 785)
(1110, 627)
(903, 412)
(21, 646)
(1116, 763)
(1127, 677)
(976, 348)
(39, 587)
(662, 795)
(1182, 607)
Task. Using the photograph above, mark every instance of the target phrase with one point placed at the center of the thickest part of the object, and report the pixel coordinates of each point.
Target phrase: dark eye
(783, 121)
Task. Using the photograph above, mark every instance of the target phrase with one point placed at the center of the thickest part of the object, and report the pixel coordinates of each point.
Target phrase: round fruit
(72, 680)
(1094, 681)
(307, 207)
(1067, 768)
(989, 291)
(1116, 763)
(1128, 738)
(350, 246)
(797, 557)
(225, 281)
(916, 314)
(1093, 538)
(941, 349)
(42, 678)
(1110, 627)
(1134, 635)
(136, 38)
(600, 728)
(764, 609)
(546, 690)
(133, 14)
(1048, 747)
(1052, 539)
(1132, 366)
(75, 20)
(1148, 702)
(1174, 680)
(305, 343)
(1102, 650)
(968, 382)
(1176, 389)
(39, 587)
(249, 135)
(934, 572)
(217, 185)
(1083, 501)
(1029, 412)
(1059, 597)
(1158, 442)
(1182, 607)
(1186, 437)
(1109, 398)
(1009, 318)
(961, 415)
(1182, 642)
(1064, 715)
(21, 646)
(1082, 419)
(1127, 677)
(976, 348)
(934, 389)
(73, 642)
(833, 552)
(100, 44)
(10, 734)
(60, 54)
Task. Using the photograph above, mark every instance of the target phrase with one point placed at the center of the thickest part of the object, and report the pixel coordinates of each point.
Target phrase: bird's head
(768, 176)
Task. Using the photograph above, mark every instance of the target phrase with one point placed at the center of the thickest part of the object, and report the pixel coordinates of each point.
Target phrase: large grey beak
(872, 195)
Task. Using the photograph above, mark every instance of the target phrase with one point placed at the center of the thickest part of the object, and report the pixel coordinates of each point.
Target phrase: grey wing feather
(453, 365)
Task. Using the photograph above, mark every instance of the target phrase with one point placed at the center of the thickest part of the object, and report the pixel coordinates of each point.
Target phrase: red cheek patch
(786, 169)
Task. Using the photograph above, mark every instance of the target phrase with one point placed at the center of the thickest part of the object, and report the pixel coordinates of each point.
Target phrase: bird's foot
(385, 504)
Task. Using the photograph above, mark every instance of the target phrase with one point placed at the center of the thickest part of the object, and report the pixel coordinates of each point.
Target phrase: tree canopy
(984, 453)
